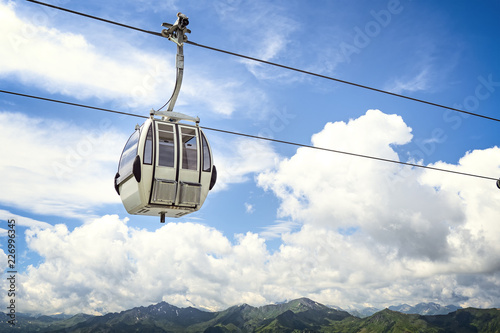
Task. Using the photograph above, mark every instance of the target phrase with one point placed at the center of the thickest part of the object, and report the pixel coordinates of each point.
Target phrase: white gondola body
(165, 169)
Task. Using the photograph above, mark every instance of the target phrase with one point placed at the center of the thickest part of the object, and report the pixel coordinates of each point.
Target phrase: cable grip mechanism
(177, 32)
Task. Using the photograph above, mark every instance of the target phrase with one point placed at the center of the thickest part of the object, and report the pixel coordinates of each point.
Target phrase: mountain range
(300, 315)
(424, 309)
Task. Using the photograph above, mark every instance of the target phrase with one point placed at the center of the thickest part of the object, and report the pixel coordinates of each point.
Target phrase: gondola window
(189, 149)
(128, 155)
(166, 145)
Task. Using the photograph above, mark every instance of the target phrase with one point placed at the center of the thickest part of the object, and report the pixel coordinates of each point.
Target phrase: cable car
(166, 168)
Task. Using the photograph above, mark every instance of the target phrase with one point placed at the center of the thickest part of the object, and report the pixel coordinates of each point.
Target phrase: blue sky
(282, 222)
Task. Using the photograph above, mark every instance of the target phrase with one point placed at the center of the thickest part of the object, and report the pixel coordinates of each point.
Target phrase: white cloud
(265, 31)
(67, 63)
(416, 83)
(4, 264)
(237, 159)
(264, 23)
(222, 96)
(249, 208)
(105, 265)
(479, 198)
(109, 68)
(55, 167)
(420, 226)
(339, 176)
(22, 220)
(277, 229)
(390, 204)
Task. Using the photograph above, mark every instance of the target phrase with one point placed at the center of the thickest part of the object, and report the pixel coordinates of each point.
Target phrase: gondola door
(176, 181)
(164, 190)
(189, 167)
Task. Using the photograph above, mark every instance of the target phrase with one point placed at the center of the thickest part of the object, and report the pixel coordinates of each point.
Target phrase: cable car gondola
(166, 167)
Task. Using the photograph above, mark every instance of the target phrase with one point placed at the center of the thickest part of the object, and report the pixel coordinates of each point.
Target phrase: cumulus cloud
(105, 265)
(389, 203)
(419, 225)
(338, 178)
(237, 160)
(55, 167)
(479, 198)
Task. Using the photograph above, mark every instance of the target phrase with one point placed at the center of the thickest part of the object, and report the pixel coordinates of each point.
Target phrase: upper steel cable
(272, 63)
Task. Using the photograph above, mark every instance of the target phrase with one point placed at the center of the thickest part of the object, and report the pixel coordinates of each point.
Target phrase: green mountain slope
(246, 318)
(386, 321)
(42, 323)
(468, 320)
(301, 315)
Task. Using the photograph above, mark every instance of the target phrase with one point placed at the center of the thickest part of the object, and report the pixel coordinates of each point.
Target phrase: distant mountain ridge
(300, 315)
(425, 309)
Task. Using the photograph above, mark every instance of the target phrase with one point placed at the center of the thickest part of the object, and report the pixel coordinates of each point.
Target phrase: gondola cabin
(166, 169)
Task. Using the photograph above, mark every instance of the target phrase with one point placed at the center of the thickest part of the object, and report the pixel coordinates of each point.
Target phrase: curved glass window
(128, 155)
(206, 153)
(148, 147)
